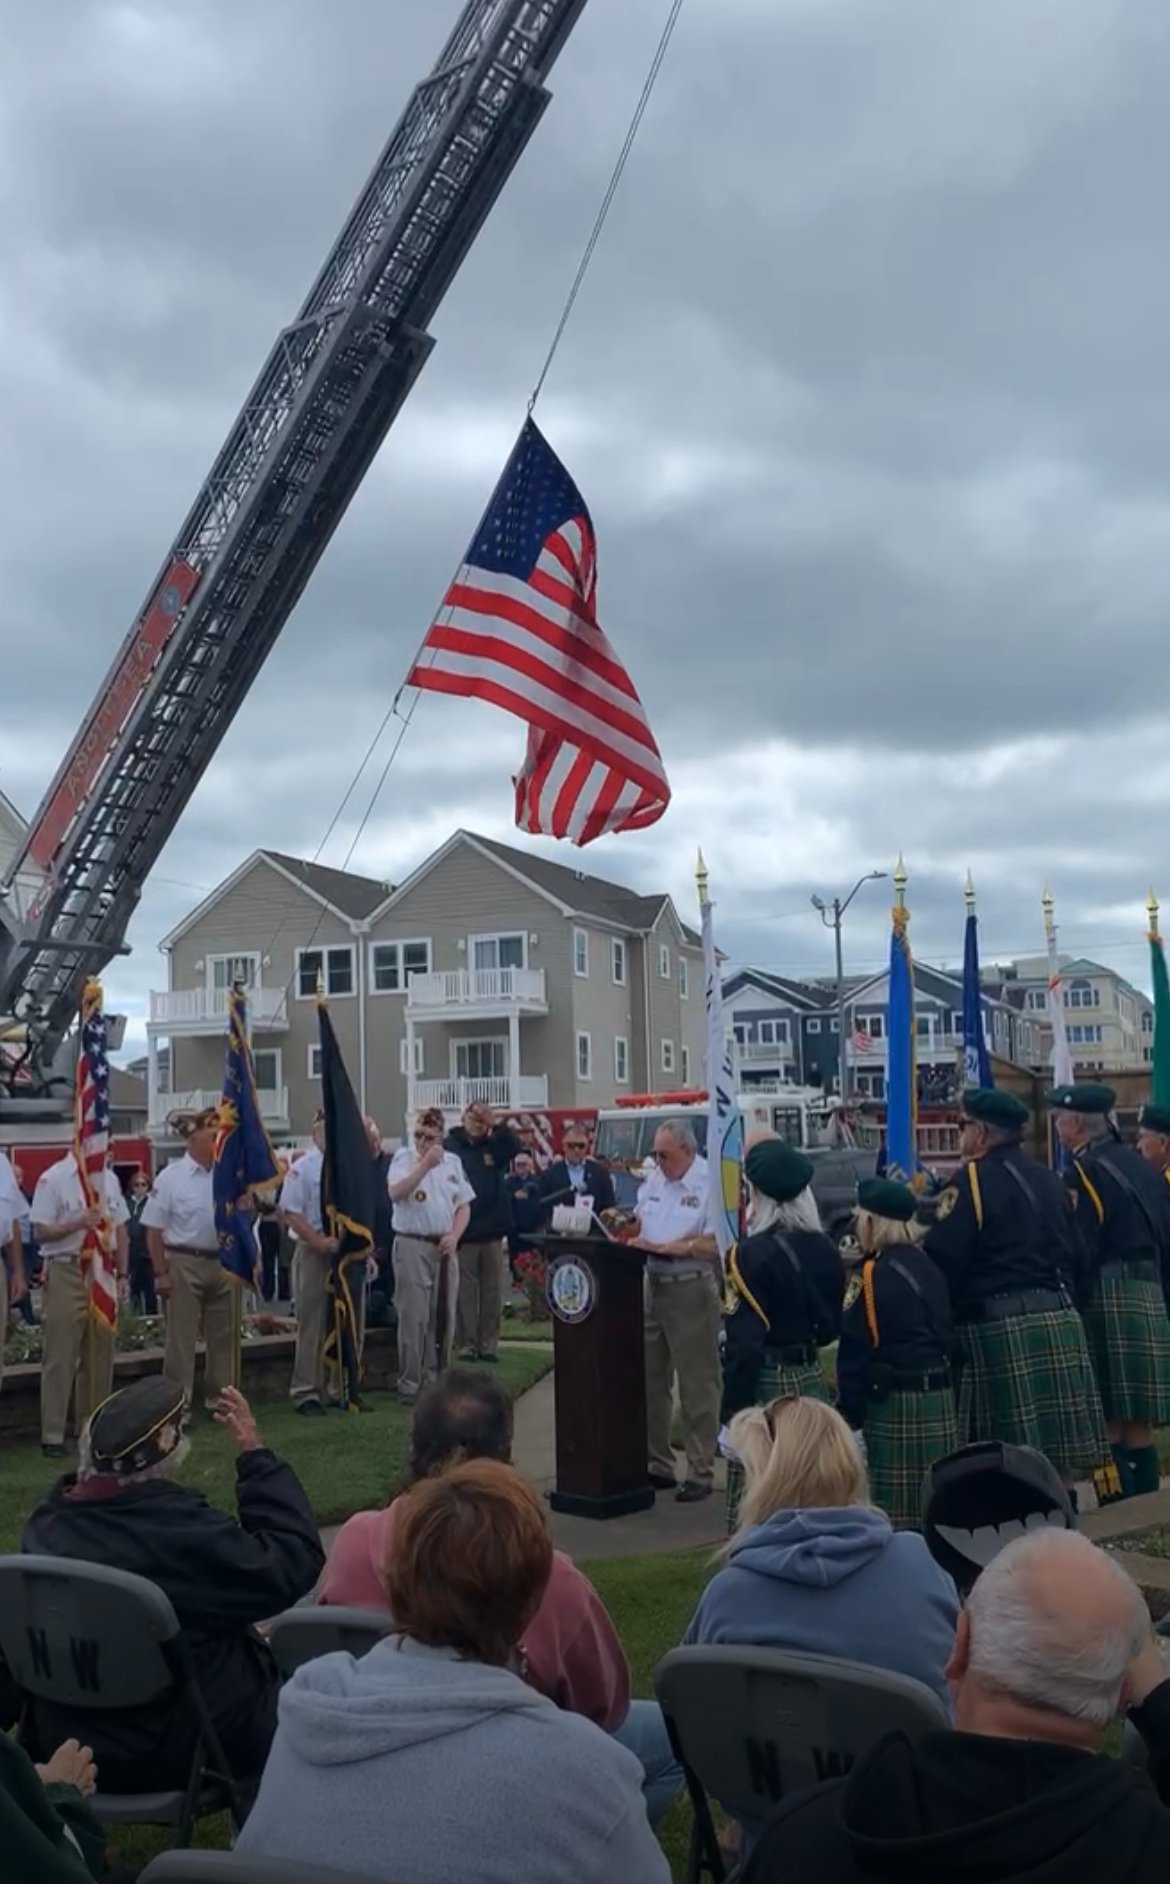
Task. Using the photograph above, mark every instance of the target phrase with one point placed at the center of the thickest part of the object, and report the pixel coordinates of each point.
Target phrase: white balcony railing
(503, 1094)
(769, 1052)
(273, 1105)
(464, 988)
(194, 1008)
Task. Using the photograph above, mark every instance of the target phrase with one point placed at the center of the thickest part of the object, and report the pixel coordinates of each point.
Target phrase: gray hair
(682, 1132)
(1043, 1655)
(799, 1213)
(162, 1468)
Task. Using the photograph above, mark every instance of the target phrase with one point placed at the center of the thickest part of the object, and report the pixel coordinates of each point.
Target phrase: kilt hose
(904, 1435)
(777, 1381)
(1129, 1344)
(1028, 1381)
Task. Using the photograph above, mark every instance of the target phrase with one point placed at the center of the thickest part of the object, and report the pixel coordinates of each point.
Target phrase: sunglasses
(574, 1144)
(774, 1408)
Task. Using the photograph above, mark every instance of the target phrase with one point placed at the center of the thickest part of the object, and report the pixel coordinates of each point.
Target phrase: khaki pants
(419, 1272)
(78, 1351)
(310, 1277)
(682, 1337)
(481, 1296)
(202, 1295)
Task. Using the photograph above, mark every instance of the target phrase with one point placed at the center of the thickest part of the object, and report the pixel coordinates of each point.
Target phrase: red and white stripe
(90, 1146)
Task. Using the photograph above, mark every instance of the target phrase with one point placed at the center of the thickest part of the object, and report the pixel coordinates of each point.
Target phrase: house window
(618, 961)
(814, 1026)
(266, 1066)
(392, 963)
(1038, 1000)
(315, 1061)
(685, 1064)
(668, 1056)
(581, 954)
(739, 1034)
(664, 961)
(835, 1025)
(1147, 1021)
(684, 979)
(480, 1059)
(924, 1026)
(419, 1061)
(872, 1024)
(1082, 994)
(332, 967)
(229, 971)
(499, 951)
(584, 1056)
(621, 1061)
(772, 1033)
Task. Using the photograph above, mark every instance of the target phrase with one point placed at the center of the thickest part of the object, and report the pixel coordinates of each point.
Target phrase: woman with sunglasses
(894, 1357)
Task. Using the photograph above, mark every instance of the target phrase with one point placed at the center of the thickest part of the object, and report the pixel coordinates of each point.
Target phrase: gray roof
(807, 994)
(356, 897)
(586, 895)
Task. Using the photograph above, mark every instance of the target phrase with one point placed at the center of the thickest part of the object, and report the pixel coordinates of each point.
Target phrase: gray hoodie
(416, 1767)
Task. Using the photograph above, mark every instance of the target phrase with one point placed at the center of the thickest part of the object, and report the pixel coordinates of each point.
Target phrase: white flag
(1062, 1066)
(724, 1125)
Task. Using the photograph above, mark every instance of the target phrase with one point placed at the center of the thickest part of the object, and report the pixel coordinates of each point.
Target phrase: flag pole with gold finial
(1160, 1051)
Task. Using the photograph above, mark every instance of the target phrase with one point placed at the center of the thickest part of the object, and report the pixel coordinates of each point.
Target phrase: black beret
(882, 1197)
(988, 1106)
(1155, 1119)
(779, 1170)
(1088, 1096)
(137, 1427)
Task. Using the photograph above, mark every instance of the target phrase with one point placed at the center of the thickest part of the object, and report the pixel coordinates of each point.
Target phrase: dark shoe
(660, 1482)
(54, 1452)
(690, 1492)
(311, 1409)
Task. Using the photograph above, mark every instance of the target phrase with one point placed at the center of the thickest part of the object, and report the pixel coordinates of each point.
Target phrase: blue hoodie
(835, 1582)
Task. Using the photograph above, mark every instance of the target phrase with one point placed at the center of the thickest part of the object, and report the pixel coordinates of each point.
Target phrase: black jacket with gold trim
(1004, 1226)
(906, 1328)
(770, 1307)
(1122, 1207)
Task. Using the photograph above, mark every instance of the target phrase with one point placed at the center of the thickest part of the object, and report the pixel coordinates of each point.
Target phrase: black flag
(347, 1205)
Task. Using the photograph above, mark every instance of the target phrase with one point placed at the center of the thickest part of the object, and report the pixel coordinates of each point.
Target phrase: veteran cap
(137, 1427)
(987, 1106)
(778, 1169)
(1154, 1118)
(883, 1197)
(1087, 1096)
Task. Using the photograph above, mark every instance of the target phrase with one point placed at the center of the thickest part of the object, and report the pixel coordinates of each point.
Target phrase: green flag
(1160, 1067)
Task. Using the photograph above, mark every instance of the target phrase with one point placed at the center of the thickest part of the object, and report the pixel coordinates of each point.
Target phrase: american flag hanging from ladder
(91, 1142)
(518, 627)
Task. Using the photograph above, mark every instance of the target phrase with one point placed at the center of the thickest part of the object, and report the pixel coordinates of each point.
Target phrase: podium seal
(572, 1289)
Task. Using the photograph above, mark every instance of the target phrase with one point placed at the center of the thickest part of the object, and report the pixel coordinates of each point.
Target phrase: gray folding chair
(224, 1867)
(89, 1639)
(752, 1725)
(305, 1633)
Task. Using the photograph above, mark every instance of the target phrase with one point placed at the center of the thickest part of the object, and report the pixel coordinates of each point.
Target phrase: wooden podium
(595, 1293)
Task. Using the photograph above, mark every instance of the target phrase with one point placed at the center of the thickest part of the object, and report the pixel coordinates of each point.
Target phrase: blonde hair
(797, 1455)
(875, 1234)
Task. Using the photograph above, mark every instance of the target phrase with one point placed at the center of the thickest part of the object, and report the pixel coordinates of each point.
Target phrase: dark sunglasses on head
(773, 1408)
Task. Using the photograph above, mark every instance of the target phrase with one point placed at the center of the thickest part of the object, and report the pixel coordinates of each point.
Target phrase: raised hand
(233, 1411)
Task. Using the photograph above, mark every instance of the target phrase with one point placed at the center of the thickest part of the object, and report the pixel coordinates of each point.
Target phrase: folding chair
(305, 1633)
(96, 1640)
(224, 1867)
(752, 1725)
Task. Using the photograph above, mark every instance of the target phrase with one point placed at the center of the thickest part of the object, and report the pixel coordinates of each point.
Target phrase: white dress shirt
(12, 1198)
(59, 1196)
(430, 1208)
(672, 1209)
(301, 1190)
(182, 1206)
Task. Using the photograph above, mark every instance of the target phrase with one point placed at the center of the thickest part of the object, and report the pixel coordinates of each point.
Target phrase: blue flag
(976, 1065)
(244, 1157)
(902, 1073)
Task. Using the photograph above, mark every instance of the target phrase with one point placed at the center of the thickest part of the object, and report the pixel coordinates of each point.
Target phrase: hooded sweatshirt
(969, 1809)
(417, 1767)
(838, 1582)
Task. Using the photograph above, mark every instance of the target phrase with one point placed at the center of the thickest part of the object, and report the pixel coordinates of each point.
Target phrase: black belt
(934, 1380)
(1134, 1270)
(418, 1236)
(1008, 1307)
(791, 1357)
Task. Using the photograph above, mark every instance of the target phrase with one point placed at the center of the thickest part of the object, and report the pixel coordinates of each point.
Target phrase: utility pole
(832, 914)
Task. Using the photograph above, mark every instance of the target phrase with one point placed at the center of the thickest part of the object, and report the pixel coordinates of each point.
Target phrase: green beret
(779, 1170)
(137, 1427)
(884, 1198)
(988, 1106)
(1088, 1096)
(1155, 1119)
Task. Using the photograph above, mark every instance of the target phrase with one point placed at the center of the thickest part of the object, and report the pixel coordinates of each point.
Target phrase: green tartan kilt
(1028, 1381)
(803, 1379)
(904, 1435)
(1129, 1340)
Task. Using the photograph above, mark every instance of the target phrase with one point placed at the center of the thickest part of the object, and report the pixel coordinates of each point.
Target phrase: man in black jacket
(1054, 1643)
(485, 1151)
(577, 1175)
(222, 1576)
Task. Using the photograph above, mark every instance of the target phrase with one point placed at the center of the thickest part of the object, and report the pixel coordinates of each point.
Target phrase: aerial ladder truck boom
(309, 429)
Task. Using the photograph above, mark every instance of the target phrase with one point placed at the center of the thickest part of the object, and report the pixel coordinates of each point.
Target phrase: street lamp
(831, 914)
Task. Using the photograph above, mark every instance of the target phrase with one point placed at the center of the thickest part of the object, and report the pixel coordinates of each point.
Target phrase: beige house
(1110, 1023)
(489, 973)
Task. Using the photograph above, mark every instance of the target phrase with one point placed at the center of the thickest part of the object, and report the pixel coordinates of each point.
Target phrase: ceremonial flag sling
(244, 1158)
(347, 1206)
(901, 1072)
(724, 1123)
(91, 1143)
(976, 1065)
(1160, 1064)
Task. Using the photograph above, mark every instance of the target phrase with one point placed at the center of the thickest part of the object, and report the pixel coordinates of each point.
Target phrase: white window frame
(419, 1057)
(278, 1056)
(685, 1064)
(621, 1060)
(873, 1024)
(325, 950)
(493, 1041)
(399, 945)
(684, 979)
(314, 1061)
(739, 1033)
(779, 1036)
(584, 1060)
(498, 936)
(664, 961)
(814, 1026)
(667, 1051)
(619, 953)
(232, 955)
(581, 954)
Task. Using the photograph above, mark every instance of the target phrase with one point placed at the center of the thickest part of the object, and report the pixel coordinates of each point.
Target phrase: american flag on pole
(518, 627)
(862, 1040)
(91, 1142)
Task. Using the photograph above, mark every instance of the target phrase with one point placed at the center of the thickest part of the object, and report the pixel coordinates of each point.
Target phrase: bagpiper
(894, 1381)
(1004, 1238)
(1123, 1211)
(786, 1284)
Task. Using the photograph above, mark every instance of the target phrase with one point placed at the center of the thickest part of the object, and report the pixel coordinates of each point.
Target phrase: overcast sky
(867, 393)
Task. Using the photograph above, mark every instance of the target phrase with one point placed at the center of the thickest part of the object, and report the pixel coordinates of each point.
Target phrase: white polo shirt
(430, 1208)
(301, 1190)
(12, 1197)
(182, 1206)
(670, 1210)
(59, 1195)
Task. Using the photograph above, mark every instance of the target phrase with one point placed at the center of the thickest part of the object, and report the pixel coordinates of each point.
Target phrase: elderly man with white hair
(1054, 1645)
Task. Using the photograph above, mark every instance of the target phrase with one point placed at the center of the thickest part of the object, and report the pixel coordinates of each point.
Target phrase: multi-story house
(938, 1020)
(783, 1032)
(489, 973)
(1110, 1023)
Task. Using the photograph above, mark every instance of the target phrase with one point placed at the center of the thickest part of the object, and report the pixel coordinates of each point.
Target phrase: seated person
(47, 1832)
(124, 1509)
(570, 1649)
(1054, 1644)
(429, 1760)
